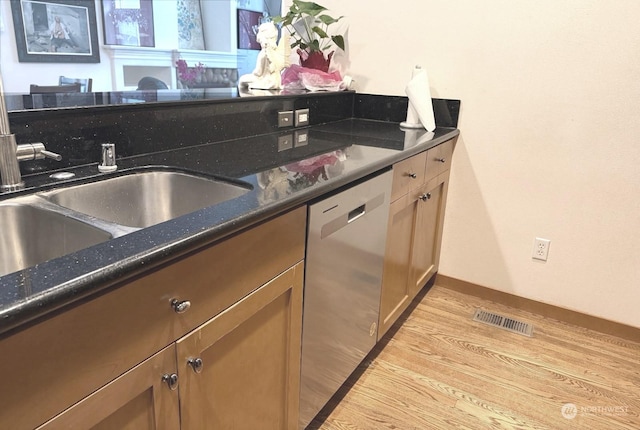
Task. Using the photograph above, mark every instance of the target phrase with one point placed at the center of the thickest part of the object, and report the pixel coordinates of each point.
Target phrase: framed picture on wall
(190, 29)
(55, 31)
(128, 22)
(248, 23)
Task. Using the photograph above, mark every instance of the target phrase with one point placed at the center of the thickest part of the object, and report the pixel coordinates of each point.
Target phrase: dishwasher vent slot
(503, 322)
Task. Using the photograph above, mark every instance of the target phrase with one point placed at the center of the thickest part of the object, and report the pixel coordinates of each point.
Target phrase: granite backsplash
(137, 129)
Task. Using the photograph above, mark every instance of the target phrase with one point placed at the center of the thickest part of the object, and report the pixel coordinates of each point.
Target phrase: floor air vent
(503, 322)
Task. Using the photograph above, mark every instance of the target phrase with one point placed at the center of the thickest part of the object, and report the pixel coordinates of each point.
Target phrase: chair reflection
(53, 96)
(50, 89)
(85, 84)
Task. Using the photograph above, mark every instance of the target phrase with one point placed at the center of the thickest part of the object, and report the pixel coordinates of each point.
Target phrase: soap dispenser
(108, 158)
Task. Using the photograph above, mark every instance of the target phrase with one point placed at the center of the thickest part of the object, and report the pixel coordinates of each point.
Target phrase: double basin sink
(49, 224)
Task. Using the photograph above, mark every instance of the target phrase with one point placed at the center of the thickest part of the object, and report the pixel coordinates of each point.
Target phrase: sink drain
(503, 322)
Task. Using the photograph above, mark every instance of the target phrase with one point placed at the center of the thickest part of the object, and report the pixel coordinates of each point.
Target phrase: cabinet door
(138, 400)
(241, 369)
(428, 231)
(396, 293)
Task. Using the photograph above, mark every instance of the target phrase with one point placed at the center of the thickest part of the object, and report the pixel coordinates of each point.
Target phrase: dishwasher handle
(330, 227)
(356, 213)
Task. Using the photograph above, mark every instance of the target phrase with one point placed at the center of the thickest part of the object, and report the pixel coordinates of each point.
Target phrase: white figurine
(272, 58)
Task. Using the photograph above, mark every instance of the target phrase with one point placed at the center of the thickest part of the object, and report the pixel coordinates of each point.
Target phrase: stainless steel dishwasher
(343, 278)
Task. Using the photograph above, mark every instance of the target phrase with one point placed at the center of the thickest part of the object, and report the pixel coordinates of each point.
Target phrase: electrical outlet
(285, 142)
(301, 138)
(285, 118)
(541, 249)
(302, 117)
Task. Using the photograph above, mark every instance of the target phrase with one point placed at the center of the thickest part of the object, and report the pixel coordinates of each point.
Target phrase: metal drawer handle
(180, 306)
(412, 175)
(196, 364)
(171, 380)
(442, 160)
(425, 197)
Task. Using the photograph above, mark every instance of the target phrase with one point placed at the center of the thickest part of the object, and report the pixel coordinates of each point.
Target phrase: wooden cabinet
(69, 356)
(425, 251)
(241, 370)
(407, 175)
(414, 231)
(438, 159)
(396, 294)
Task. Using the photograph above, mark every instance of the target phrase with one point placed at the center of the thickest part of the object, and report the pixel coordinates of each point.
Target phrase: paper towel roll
(413, 121)
(420, 99)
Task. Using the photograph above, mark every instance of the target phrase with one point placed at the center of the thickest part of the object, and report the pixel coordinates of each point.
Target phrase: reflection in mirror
(204, 34)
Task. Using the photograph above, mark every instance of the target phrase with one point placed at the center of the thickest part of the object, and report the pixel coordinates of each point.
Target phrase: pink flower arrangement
(187, 74)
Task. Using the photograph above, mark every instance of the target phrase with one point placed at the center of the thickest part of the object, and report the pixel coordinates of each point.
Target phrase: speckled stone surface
(340, 149)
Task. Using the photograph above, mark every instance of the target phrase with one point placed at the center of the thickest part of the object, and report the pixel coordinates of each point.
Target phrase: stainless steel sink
(46, 225)
(146, 198)
(30, 235)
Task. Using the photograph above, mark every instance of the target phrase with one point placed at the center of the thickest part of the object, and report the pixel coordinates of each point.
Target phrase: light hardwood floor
(438, 369)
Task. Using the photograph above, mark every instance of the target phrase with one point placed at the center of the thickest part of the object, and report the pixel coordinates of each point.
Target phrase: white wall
(550, 141)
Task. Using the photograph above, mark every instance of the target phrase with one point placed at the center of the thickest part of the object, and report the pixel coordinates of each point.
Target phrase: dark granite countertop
(335, 155)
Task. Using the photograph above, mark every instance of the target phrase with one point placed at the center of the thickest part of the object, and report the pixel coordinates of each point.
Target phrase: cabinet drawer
(446, 154)
(214, 279)
(438, 159)
(408, 174)
(63, 359)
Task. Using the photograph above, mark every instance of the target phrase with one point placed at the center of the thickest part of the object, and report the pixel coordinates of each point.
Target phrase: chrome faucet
(11, 153)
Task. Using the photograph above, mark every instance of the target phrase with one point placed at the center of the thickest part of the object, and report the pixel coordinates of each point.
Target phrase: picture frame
(190, 25)
(55, 31)
(248, 23)
(128, 22)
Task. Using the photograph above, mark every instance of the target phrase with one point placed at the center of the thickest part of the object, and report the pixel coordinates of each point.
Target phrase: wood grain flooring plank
(456, 301)
(554, 352)
(505, 357)
(604, 360)
(499, 361)
(493, 385)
